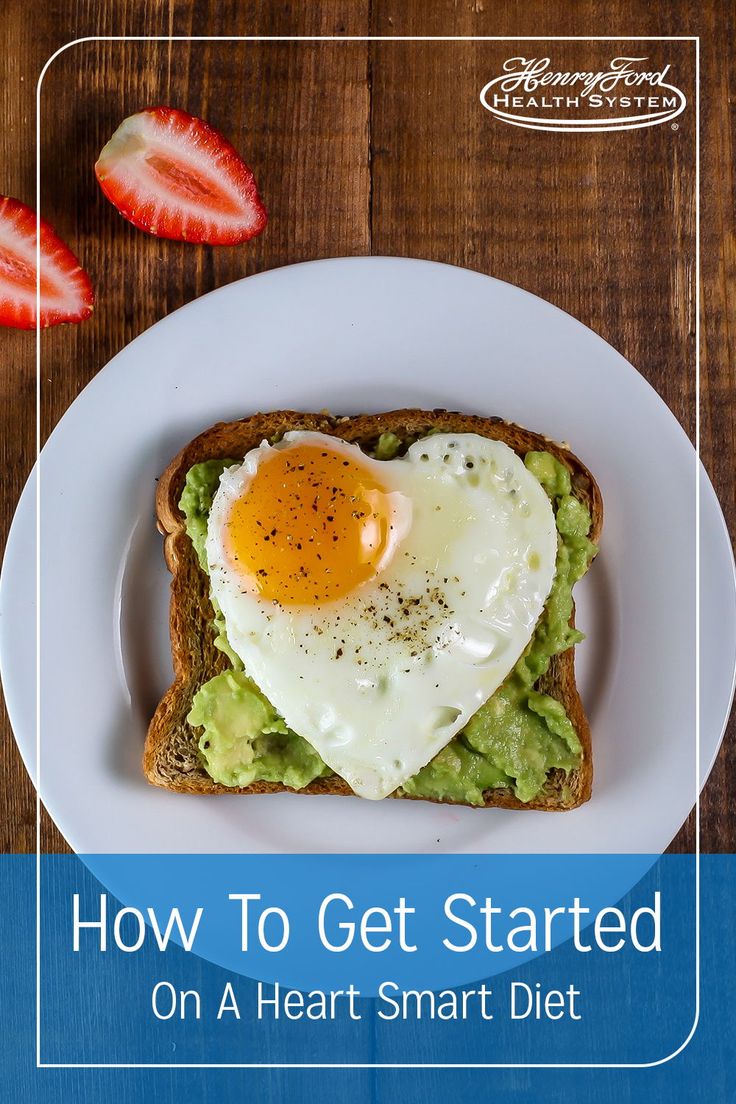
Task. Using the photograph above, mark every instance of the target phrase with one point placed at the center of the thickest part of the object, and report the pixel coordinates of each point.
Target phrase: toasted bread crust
(171, 756)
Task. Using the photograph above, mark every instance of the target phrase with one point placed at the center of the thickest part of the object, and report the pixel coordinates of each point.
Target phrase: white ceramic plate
(362, 334)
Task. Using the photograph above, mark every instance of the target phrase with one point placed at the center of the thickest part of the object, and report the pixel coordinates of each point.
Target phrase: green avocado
(195, 503)
(244, 738)
(514, 739)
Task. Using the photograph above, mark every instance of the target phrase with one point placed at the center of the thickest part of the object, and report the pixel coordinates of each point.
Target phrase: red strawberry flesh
(175, 176)
(66, 291)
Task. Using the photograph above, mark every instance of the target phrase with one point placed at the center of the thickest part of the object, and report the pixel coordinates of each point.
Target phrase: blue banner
(318, 960)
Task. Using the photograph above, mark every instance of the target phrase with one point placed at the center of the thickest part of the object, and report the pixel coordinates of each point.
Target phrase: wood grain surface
(377, 147)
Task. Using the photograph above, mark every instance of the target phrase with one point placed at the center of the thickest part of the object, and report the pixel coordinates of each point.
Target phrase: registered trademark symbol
(675, 126)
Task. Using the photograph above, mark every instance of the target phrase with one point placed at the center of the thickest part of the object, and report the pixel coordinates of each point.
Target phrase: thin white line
(696, 1019)
(38, 573)
(370, 1065)
(697, 534)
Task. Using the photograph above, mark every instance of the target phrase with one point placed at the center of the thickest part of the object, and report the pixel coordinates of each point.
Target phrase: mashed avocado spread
(514, 739)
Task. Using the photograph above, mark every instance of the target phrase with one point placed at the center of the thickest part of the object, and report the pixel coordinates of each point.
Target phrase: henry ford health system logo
(627, 95)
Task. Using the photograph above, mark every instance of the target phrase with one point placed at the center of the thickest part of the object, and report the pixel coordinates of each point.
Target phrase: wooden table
(382, 147)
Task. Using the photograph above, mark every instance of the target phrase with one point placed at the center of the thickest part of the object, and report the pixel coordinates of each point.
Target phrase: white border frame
(372, 1065)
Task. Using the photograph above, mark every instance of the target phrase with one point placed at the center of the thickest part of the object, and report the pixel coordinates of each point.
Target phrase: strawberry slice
(66, 291)
(175, 176)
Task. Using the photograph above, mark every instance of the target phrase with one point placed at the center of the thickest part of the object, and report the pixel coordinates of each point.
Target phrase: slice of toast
(171, 756)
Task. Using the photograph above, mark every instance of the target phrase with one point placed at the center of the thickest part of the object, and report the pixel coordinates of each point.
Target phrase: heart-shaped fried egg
(378, 604)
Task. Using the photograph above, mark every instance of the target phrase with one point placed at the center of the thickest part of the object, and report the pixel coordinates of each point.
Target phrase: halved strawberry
(66, 291)
(175, 176)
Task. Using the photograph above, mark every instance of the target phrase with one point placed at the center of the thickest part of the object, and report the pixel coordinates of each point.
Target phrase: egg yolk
(312, 525)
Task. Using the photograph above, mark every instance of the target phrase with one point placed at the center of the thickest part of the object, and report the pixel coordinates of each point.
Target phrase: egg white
(377, 690)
